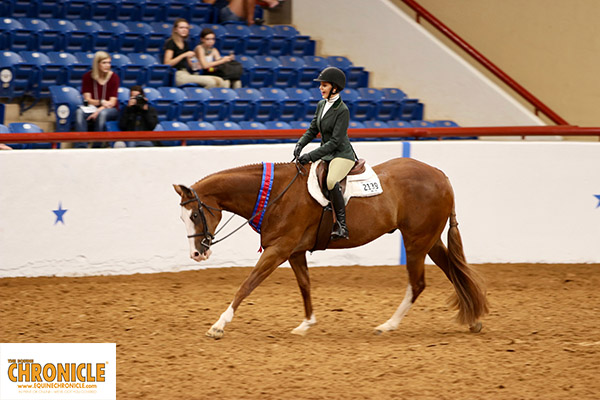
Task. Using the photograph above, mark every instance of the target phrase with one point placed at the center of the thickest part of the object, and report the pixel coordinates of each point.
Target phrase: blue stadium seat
(85, 58)
(49, 9)
(298, 45)
(410, 109)
(387, 109)
(244, 107)
(289, 72)
(356, 77)
(195, 100)
(280, 43)
(135, 40)
(130, 10)
(50, 73)
(129, 73)
(65, 100)
(361, 109)
(16, 36)
(200, 126)
(123, 94)
(154, 11)
(151, 93)
(28, 127)
(393, 94)
(257, 44)
(444, 123)
(74, 70)
(313, 65)
(301, 99)
(270, 106)
(277, 125)
(76, 9)
(375, 124)
(200, 12)
(235, 41)
(299, 125)
(88, 36)
(19, 9)
(218, 106)
(251, 125)
(104, 10)
(113, 44)
(263, 75)
(4, 129)
(396, 123)
(226, 125)
(171, 126)
(61, 33)
(158, 74)
(422, 124)
(249, 64)
(170, 102)
(355, 125)
(112, 126)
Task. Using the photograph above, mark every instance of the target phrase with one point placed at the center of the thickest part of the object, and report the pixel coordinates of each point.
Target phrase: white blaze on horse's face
(195, 254)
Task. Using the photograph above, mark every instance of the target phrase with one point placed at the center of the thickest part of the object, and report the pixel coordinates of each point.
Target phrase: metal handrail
(399, 133)
(490, 66)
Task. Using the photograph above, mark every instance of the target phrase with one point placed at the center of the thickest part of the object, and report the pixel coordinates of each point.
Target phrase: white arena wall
(516, 202)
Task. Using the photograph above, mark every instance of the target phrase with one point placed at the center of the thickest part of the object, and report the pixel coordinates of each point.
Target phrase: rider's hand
(297, 151)
(304, 159)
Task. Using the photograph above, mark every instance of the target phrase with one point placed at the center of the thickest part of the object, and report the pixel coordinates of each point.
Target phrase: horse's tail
(470, 299)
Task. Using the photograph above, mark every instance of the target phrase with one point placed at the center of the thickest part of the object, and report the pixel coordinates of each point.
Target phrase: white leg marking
(302, 329)
(392, 323)
(217, 330)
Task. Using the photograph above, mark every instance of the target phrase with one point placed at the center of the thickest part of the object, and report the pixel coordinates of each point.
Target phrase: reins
(209, 236)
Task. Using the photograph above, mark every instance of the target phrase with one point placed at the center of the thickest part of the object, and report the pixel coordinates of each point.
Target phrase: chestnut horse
(417, 199)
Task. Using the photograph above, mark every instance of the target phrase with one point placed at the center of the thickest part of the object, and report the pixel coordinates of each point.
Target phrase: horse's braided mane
(237, 168)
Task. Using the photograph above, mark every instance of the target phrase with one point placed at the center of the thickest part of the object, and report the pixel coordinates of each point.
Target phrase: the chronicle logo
(31, 371)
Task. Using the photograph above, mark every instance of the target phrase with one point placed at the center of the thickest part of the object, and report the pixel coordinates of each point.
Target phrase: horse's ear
(182, 190)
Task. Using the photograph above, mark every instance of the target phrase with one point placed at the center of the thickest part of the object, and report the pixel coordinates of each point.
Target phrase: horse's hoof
(299, 332)
(476, 327)
(378, 332)
(215, 333)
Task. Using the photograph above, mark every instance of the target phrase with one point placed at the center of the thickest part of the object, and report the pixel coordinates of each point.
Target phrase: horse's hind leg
(298, 263)
(415, 266)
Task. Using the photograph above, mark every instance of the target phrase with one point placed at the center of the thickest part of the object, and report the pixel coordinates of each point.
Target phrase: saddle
(361, 181)
(323, 168)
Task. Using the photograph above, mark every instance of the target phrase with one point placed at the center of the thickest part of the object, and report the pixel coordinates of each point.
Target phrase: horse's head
(200, 222)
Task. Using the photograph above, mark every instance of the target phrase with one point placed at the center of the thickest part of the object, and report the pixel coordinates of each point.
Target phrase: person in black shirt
(138, 116)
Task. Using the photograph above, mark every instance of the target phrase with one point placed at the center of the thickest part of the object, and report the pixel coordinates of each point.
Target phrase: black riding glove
(297, 151)
(304, 159)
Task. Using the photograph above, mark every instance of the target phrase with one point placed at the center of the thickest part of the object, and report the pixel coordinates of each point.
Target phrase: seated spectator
(99, 88)
(211, 60)
(178, 55)
(240, 10)
(5, 147)
(138, 116)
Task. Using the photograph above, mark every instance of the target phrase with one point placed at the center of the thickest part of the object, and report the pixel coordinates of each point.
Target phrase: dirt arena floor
(541, 339)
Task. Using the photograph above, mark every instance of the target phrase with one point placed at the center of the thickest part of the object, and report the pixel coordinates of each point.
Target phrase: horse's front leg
(271, 258)
(298, 263)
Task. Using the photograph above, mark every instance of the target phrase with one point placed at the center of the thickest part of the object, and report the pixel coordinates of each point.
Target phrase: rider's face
(325, 88)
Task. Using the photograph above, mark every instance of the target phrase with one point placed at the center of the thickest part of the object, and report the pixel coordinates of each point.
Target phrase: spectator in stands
(331, 119)
(178, 55)
(99, 88)
(5, 147)
(239, 10)
(138, 116)
(210, 58)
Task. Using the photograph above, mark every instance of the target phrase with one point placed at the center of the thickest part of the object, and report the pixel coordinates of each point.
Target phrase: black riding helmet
(333, 75)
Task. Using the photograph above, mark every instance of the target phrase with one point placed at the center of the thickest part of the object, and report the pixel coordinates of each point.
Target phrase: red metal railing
(56, 137)
(537, 104)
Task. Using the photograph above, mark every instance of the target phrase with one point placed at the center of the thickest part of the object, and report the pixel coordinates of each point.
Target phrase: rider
(331, 119)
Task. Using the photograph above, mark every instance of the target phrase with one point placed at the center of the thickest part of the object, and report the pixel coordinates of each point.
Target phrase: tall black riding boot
(340, 231)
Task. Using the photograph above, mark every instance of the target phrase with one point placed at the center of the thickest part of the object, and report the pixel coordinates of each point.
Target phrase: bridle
(208, 239)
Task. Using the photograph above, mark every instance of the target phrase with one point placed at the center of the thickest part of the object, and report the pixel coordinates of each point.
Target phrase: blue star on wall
(59, 214)
(598, 197)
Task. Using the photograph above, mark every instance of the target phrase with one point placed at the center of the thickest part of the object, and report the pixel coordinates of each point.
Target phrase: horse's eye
(195, 215)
